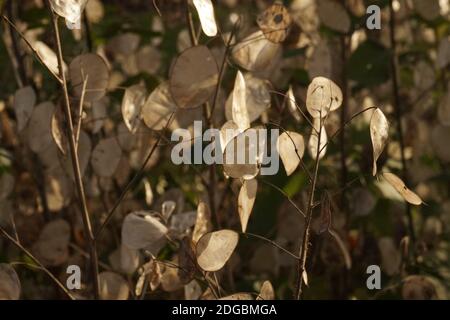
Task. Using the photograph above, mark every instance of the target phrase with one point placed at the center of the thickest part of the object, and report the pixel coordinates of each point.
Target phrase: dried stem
(342, 138)
(305, 239)
(75, 160)
(398, 113)
(133, 180)
(37, 262)
(36, 54)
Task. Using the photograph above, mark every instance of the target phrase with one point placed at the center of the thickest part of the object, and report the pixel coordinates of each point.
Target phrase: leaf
(275, 22)
(266, 292)
(333, 15)
(148, 192)
(113, 286)
(203, 222)
(314, 140)
(39, 127)
(167, 208)
(401, 188)
(58, 132)
(194, 77)
(158, 107)
(9, 283)
(238, 296)
(141, 230)
(48, 57)
(129, 259)
(92, 67)
(52, 246)
(151, 271)
(240, 159)
(323, 96)
(292, 105)
(257, 98)
(305, 278)
(325, 214)
(215, 248)
(205, 12)
(239, 105)
(291, 148)
(379, 133)
(24, 102)
(132, 103)
(192, 291)
(228, 132)
(255, 52)
(246, 200)
(106, 157)
(70, 10)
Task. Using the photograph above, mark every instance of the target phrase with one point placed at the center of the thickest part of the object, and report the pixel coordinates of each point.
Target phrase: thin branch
(286, 195)
(398, 113)
(80, 112)
(345, 124)
(36, 54)
(37, 262)
(74, 156)
(133, 181)
(273, 243)
(306, 234)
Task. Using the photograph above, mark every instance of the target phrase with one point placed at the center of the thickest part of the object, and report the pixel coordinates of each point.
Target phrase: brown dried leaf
(402, 189)
(52, 246)
(106, 157)
(205, 12)
(313, 145)
(194, 77)
(24, 102)
(238, 296)
(113, 286)
(132, 103)
(239, 107)
(240, 159)
(333, 15)
(39, 127)
(92, 67)
(291, 148)
(255, 52)
(203, 222)
(322, 97)
(141, 230)
(9, 283)
(266, 292)
(71, 10)
(275, 22)
(215, 248)
(158, 107)
(257, 98)
(246, 200)
(379, 133)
